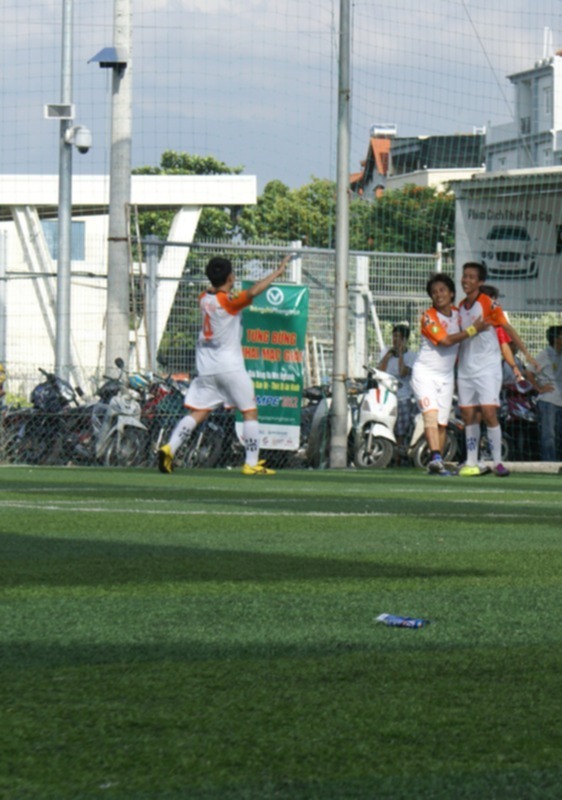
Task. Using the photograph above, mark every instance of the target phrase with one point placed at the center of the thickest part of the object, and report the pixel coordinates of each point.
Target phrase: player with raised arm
(221, 373)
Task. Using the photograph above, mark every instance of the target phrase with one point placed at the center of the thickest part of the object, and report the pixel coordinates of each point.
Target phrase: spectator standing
(398, 361)
(549, 404)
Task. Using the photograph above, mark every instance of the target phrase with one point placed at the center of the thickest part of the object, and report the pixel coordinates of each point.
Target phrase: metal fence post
(152, 301)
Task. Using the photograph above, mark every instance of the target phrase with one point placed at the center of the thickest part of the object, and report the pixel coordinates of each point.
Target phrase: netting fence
(456, 136)
(384, 289)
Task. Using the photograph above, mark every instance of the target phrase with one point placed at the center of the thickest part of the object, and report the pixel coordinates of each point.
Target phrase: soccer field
(209, 636)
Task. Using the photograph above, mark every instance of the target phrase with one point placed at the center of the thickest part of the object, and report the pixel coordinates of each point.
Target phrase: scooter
(417, 449)
(121, 439)
(374, 420)
(317, 429)
(372, 407)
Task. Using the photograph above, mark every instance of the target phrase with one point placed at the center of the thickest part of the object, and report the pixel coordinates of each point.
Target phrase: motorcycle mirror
(119, 362)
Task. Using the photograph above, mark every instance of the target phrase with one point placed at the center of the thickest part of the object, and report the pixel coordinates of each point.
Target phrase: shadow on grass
(352, 727)
(31, 560)
(28, 654)
(210, 489)
(531, 784)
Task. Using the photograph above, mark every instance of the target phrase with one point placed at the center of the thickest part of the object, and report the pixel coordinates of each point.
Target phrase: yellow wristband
(471, 330)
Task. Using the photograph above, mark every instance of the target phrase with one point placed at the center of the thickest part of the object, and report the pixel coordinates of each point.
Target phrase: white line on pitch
(219, 513)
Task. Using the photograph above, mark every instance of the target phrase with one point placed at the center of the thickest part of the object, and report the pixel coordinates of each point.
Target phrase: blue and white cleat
(437, 467)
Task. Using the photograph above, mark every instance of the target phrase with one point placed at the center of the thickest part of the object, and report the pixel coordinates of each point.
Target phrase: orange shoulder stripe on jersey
(234, 303)
(431, 328)
(492, 311)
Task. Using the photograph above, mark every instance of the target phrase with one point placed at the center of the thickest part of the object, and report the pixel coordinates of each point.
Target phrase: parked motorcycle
(204, 448)
(374, 420)
(47, 431)
(120, 440)
(518, 418)
(417, 449)
(318, 425)
(211, 443)
(519, 421)
(372, 407)
(456, 424)
(311, 397)
(162, 408)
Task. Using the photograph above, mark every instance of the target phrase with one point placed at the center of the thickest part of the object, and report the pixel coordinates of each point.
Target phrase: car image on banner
(510, 252)
(513, 223)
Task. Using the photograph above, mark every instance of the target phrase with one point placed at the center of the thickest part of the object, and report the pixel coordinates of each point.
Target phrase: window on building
(525, 125)
(77, 239)
(547, 94)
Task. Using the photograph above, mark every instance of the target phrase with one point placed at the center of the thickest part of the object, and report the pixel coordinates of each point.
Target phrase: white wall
(31, 300)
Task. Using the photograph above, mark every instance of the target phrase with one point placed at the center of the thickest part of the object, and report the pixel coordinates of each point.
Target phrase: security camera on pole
(81, 137)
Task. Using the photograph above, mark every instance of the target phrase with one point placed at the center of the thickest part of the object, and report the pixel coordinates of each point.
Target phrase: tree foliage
(172, 163)
(215, 222)
(409, 220)
(306, 214)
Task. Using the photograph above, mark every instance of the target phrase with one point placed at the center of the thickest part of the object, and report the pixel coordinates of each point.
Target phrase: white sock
(472, 436)
(181, 432)
(495, 439)
(252, 441)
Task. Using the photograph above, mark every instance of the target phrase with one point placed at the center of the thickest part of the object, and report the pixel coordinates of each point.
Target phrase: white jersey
(432, 357)
(392, 367)
(219, 347)
(480, 354)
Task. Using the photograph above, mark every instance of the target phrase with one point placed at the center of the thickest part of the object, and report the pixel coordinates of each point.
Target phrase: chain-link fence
(123, 420)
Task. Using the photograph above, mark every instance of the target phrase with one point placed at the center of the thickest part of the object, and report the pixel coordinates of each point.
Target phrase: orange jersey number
(207, 327)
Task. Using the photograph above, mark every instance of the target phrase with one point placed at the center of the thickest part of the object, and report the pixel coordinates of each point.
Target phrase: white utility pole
(117, 333)
(338, 443)
(62, 342)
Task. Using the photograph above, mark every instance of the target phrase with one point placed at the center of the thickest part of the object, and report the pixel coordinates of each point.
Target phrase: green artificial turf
(209, 636)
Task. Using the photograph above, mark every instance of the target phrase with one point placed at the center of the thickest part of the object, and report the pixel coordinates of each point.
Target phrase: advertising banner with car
(273, 343)
(514, 227)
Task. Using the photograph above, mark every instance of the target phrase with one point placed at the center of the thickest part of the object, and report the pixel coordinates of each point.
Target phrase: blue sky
(254, 83)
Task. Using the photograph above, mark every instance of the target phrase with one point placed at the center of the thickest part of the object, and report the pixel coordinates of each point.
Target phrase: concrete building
(510, 218)
(393, 162)
(534, 137)
(28, 262)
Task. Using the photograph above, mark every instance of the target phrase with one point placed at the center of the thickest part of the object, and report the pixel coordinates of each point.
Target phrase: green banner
(273, 343)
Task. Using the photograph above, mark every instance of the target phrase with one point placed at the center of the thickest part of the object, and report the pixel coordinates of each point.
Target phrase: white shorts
(434, 393)
(480, 390)
(234, 389)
